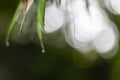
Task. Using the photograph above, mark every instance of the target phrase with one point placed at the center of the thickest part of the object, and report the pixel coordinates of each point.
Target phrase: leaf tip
(7, 44)
(43, 51)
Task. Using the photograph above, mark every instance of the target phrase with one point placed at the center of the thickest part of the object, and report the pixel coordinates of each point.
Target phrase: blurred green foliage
(60, 62)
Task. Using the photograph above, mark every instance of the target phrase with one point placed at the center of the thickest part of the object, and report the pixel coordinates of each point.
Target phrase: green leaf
(23, 5)
(40, 20)
(41, 10)
(14, 19)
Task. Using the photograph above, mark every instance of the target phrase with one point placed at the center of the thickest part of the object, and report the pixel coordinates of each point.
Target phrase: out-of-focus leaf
(23, 5)
(14, 19)
(41, 10)
(40, 20)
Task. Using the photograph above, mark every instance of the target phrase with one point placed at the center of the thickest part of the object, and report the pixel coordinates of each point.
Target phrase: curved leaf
(40, 20)
(14, 19)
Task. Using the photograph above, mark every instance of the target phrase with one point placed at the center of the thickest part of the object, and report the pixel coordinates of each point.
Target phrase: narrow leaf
(14, 19)
(41, 10)
(40, 20)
